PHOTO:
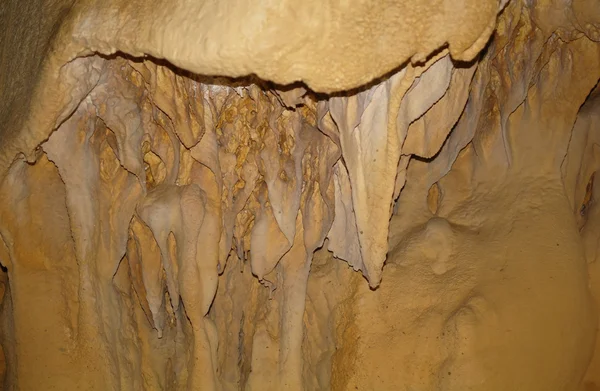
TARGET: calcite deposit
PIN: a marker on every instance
(299, 195)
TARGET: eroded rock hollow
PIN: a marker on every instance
(299, 196)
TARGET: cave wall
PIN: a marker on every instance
(417, 213)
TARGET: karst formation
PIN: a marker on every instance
(300, 195)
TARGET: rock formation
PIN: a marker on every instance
(299, 195)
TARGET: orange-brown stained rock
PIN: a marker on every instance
(161, 180)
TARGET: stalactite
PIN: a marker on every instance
(196, 204)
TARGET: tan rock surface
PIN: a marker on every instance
(180, 183)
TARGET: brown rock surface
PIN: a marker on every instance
(181, 183)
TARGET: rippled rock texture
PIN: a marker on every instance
(433, 229)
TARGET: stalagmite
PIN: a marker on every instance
(299, 195)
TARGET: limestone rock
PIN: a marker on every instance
(193, 195)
